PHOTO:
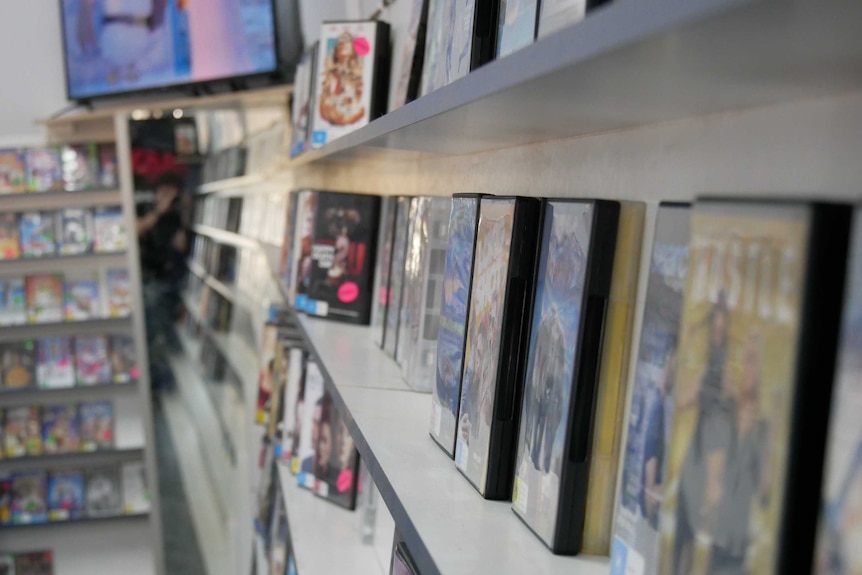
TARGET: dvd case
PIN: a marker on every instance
(336, 460)
(22, 431)
(44, 298)
(452, 336)
(572, 285)
(96, 419)
(554, 15)
(342, 257)
(423, 292)
(758, 335)
(303, 101)
(80, 166)
(636, 535)
(303, 238)
(108, 166)
(124, 361)
(92, 360)
(5, 498)
(286, 269)
(313, 401)
(496, 343)
(119, 291)
(74, 231)
(837, 540)
(29, 497)
(104, 492)
(109, 233)
(44, 172)
(403, 228)
(352, 78)
(82, 296)
(39, 563)
(380, 292)
(402, 561)
(36, 231)
(7, 564)
(518, 21)
(13, 172)
(136, 497)
(412, 50)
(66, 495)
(10, 249)
(13, 301)
(292, 400)
(278, 536)
(55, 368)
(60, 429)
(18, 364)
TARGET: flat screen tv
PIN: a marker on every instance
(119, 46)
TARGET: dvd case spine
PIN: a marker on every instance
(396, 276)
(380, 293)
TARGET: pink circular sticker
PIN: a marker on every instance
(361, 46)
(348, 292)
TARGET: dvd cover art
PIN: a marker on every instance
(119, 293)
(44, 172)
(55, 368)
(80, 165)
(351, 78)
(517, 29)
(286, 268)
(292, 403)
(96, 419)
(22, 431)
(303, 101)
(104, 492)
(728, 456)
(313, 401)
(481, 358)
(380, 293)
(92, 361)
(304, 236)
(66, 495)
(335, 457)
(266, 373)
(109, 233)
(18, 364)
(457, 283)
(124, 360)
(13, 172)
(636, 536)
(36, 234)
(342, 256)
(29, 497)
(108, 166)
(412, 50)
(136, 497)
(5, 498)
(82, 297)
(44, 298)
(75, 231)
(60, 428)
(278, 535)
(403, 228)
(13, 301)
(839, 525)
(40, 563)
(426, 265)
(9, 246)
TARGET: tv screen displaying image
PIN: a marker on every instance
(116, 46)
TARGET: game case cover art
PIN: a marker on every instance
(22, 431)
(40, 563)
(60, 428)
(482, 354)
(10, 249)
(92, 361)
(342, 258)
(109, 230)
(119, 293)
(55, 368)
(729, 444)
(75, 235)
(80, 167)
(840, 520)
(517, 28)
(136, 498)
(313, 401)
(549, 380)
(335, 458)
(403, 229)
(45, 298)
(96, 419)
(66, 495)
(13, 301)
(457, 282)
(29, 501)
(13, 172)
(82, 298)
(124, 359)
(36, 234)
(18, 364)
(636, 538)
(44, 172)
(104, 492)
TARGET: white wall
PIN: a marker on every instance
(32, 80)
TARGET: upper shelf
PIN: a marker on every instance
(448, 527)
(628, 64)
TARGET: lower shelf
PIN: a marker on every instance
(76, 522)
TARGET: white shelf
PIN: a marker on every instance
(225, 237)
(58, 200)
(325, 538)
(25, 266)
(448, 527)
